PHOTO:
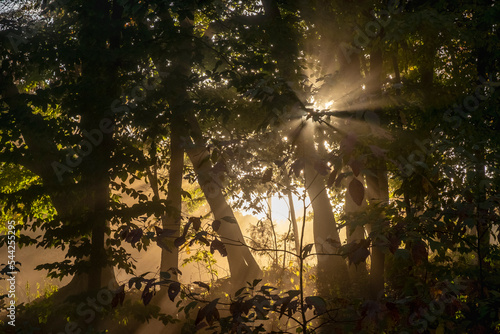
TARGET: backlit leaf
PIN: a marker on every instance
(357, 191)
(173, 290)
(196, 221)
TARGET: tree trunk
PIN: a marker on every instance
(332, 269)
(378, 194)
(358, 273)
(170, 259)
(242, 264)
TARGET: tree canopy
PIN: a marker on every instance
(377, 123)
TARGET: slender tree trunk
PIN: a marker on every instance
(358, 273)
(292, 216)
(378, 192)
(378, 189)
(170, 259)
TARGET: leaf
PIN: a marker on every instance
(318, 303)
(358, 256)
(356, 166)
(208, 312)
(339, 179)
(219, 246)
(201, 325)
(146, 297)
(332, 178)
(196, 221)
(230, 219)
(321, 167)
(203, 285)
(296, 167)
(268, 175)
(165, 275)
(186, 194)
(357, 251)
(255, 282)
(134, 280)
(175, 271)
(239, 291)
(200, 236)
(357, 191)
(178, 242)
(162, 233)
(215, 225)
(214, 156)
(186, 228)
(119, 296)
(124, 233)
(306, 250)
(190, 306)
(419, 251)
(293, 293)
(173, 290)
(134, 236)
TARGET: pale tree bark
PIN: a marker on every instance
(332, 270)
(170, 259)
(242, 264)
(378, 194)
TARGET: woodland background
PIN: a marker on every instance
(131, 128)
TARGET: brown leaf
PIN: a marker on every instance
(203, 285)
(358, 254)
(164, 232)
(356, 166)
(332, 178)
(196, 221)
(219, 246)
(321, 167)
(297, 166)
(146, 296)
(134, 236)
(318, 303)
(186, 228)
(216, 224)
(119, 296)
(357, 191)
(339, 179)
(208, 312)
(173, 290)
(419, 252)
(268, 175)
(179, 242)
